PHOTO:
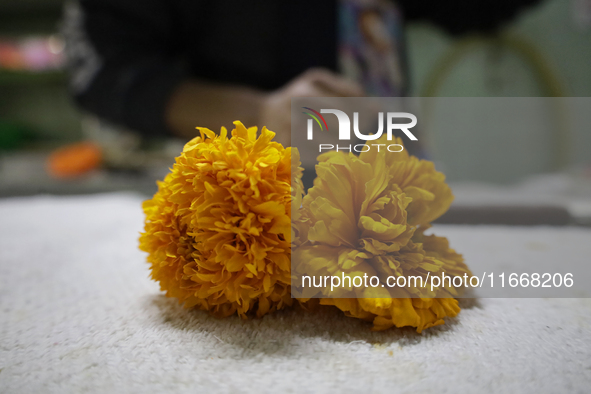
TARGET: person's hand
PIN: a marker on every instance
(276, 106)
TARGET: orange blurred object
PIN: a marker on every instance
(75, 159)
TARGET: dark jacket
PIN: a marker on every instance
(126, 56)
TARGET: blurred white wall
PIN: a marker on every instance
(555, 32)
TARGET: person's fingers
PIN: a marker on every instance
(316, 89)
(334, 84)
(319, 83)
(307, 88)
(312, 89)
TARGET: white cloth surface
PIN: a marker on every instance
(80, 315)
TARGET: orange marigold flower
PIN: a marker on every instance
(218, 230)
(367, 216)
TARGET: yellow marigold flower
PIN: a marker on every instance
(218, 230)
(367, 215)
(299, 222)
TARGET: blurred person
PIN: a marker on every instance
(165, 66)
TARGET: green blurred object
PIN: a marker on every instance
(13, 135)
(12, 77)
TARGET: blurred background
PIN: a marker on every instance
(543, 50)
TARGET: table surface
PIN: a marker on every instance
(79, 314)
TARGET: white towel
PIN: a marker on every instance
(79, 315)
